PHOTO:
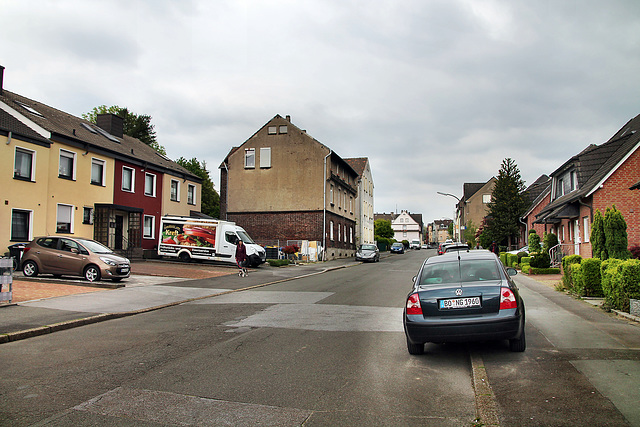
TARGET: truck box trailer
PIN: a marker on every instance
(211, 239)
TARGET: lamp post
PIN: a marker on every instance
(456, 227)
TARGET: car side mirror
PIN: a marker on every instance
(512, 271)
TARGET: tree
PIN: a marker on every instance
(598, 248)
(507, 205)
(615, 234)
(469, 234)
(450, 230)
(137, 126)
(210, 202)
(550, 240)
(382, 228)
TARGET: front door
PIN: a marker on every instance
(119, 231)
(576, 237)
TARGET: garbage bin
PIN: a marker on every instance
(15, 252)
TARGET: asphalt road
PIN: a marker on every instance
(322, 350)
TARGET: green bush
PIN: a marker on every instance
(526, 268)
(384, 243)
(503, 258)
(566, 269)
(577, 285)
(554, 270)
(540, 260)
(591, 278)
(511, 259)
(278, 262)
(620, 281)
(521, 255)
(525, 260)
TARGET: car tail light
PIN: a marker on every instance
(25, 250)
(507, 299)
(413, 304)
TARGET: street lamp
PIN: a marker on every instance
(457, 218)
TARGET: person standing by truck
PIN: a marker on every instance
(241, 258)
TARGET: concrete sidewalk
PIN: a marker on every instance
(44, 305)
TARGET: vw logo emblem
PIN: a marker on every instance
(458, 292)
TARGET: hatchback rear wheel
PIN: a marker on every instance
(415, 348)
(30, 269)
(92, 273)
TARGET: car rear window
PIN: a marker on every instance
(476, 270)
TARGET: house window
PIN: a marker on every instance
(339, 229)
(350, 234)
(585, 229)
(24, 164)
(149, 226)
(87, 215)
(63, 220)
(66, 168)
(128, 179)
(175, 191)
(20, 225)
(97, 172)
(562, 233)
(486, 198)
(283, 129)
(331, 195)
(574, 180)
(272, 130)
(191, 194)
(560, 190)
(331, 230)
(351, 204)
(265, 157)
(249, 158)
(150, 185)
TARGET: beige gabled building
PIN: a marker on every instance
(283, 185)
(364, 201)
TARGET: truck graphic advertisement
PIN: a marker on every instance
(199, 238)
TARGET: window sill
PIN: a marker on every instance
(22, 178)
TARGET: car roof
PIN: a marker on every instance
(463, 255)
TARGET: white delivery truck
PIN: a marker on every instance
(212, 239)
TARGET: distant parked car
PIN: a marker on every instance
(415, 244)
(67, 256)
(397, 248)
(368, 252)
(522, 249)
(425, 246)
(455, 247)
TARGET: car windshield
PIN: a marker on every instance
(245, 237)
(368, 247)
(95, 247)
(453, 272)
(396, 245)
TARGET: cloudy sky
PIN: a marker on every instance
(435, 93)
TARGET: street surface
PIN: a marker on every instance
(326, 349)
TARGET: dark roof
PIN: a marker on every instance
(357, 164)
(76, 131)
(536, 192)
(9, 123)
(471, 188)
(594, 163)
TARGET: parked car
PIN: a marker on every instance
(415, 244)
(442, 247)
(67, 256)
(397, 248)
(368, 252)
(455, 247)
(464, 296)
(425, 246)
(522, 249)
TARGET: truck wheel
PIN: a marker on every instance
(184, 257)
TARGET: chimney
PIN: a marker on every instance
(1, 77)
(111, 123)
(289, 118)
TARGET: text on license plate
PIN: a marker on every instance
(460, 303)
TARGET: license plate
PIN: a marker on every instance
(124, 270)
(460, 303)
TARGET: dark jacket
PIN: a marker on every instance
(241, 253)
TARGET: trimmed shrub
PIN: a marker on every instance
(511, 259)
(521, 255)
(591, 278)
(503, 258)
(610, 271)
(525, 260)
(566, 269)
(540, 260)
(278, 262)
(544, 270)
(577, 285)
(526, 268)
(630, 282)
(534, 241)
(620, 281)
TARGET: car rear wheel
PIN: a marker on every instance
(30, 269)
(415, 348)
(92, 273)
(184, 257)
(518, 344)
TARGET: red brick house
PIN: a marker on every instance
(539, 196)
(598, 177)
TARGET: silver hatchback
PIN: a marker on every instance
(70, 256)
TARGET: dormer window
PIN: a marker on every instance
(560, 188)
(574, 180)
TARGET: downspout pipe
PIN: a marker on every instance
(226, 195)
(324, 209)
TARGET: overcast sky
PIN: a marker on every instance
(435, 93)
